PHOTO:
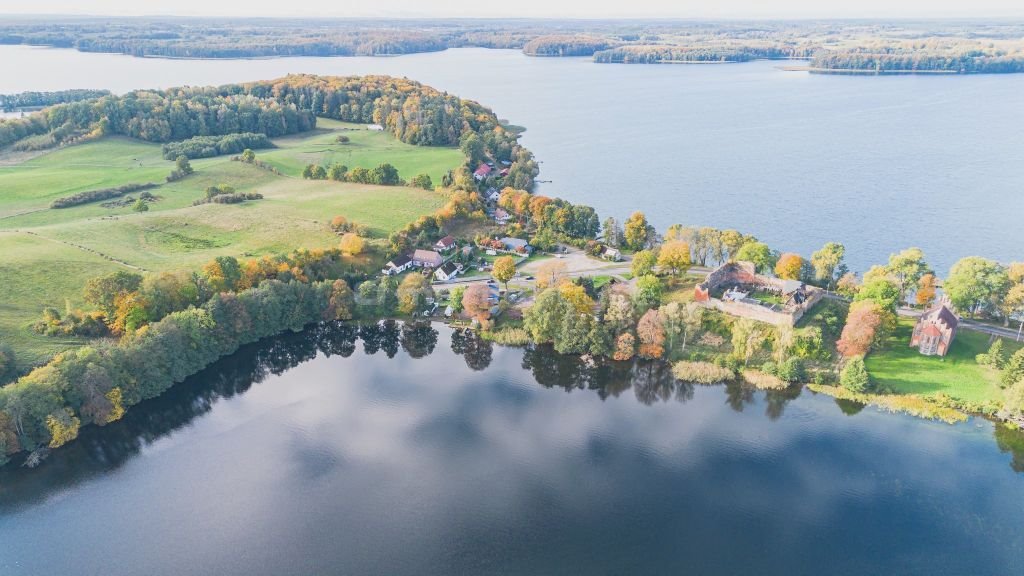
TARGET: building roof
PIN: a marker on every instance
(449, 268)
(426, 256)
(501, 214)
(790, 286)
(482, 170)
(447, 241)
(931, 330)
(399, 261)
(514, 243)
(941, 314)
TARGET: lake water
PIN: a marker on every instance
(878, 163)
(316, 453)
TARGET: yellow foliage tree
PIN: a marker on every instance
(504, 269)
(576, 296)
(925, 290)
(789, 266)
(63, 426)
(352, 244)
(674, 257)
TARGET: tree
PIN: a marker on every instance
(757, 252)
(573, 333)
(827, 262)
(473, 148)
(7, 366)
(504, 269)
(476, 302)
(551, 273)
(1013, 371)
(925, 293)
(223, 274)
(748, 336)
(643, 263)
(544, 319)
(1013, 399)
(882, 291)
(413, 293)
(854, 376)
(342, 300)
(385, 175)
(907, 267)
(636, 231)
(861, 329)
(63, 426)
(648, 292)
(847, 285)
(789, 266)
(387, 295)
(352, 244)
(625, 347)
(423, 181)
(1012, 304)
(681, 321)
(732, 241)
(248, 156)
(455, 298)
(975, 283)
(140, 206)
(651, 333)
(612, 233)
(674, 256)
(182, 165)
(995, 357)
(619, 312)
(576, 296)
(101, 291)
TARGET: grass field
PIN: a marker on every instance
(897, 366)
(47, 254)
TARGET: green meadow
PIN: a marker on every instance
(46, 255)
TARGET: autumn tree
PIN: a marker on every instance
(102, 290)
(223, 274)
(476, 302)
(789, 266)
(651, 333)
(352, 243)
(674, 257)
(637, 232)
(861, 329)
(848, 285)
(625, 347)
(504, 269)
(413, 293)
(576, 296)
(827, 262)
(925, 293)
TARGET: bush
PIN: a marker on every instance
(792, 370)
(764, 381)
(701, 372)
(209, 146)
(507, 336)
(97, 195)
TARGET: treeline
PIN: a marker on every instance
(965, 63)
(97, 195)
(95, 385)
(661, 54)
(11, 102)
(210, 146)
(566, 45)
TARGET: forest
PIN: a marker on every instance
(11, 102)
(968, 47)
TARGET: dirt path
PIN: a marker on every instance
(85, 249)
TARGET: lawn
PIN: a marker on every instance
(47, 254)
(366, 149)
(897, 366)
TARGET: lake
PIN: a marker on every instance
(416, 450)
(878, 163)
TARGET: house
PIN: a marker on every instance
(426, 259)
(482, 172)
(794, 291)
(506, 162)
(738, 290)
(501, 216)
(447, 271)
(934, 331)
(493, 195)
(374, 127)
(609, 253)
(397, 265)
(503, 173)
(516, 245)
(445, 244)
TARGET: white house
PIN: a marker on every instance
(445, 244)
(493, 195)
(426, 259)
(397, 265)
(501, 216)
(612, 254)
(375, 127)
(447, 271)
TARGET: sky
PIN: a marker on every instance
(532, 8)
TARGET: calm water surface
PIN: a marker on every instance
(413, 452)
(797, 159)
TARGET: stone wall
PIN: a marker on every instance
(744, 273)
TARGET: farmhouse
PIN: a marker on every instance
(445, 244)
(426, 259)
(447, 271)
(609, 253)
(493, 195)
(737, 289)
(397, 265)
(501, 216)
(934, 331)
(516, 245)
(482, 172)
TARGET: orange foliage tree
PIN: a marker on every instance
(651, 332)
(861, 328)
(789, 266)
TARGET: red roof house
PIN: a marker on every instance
(935, 331)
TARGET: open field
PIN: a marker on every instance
(898, 366)
(48, 254)
(366, 149)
